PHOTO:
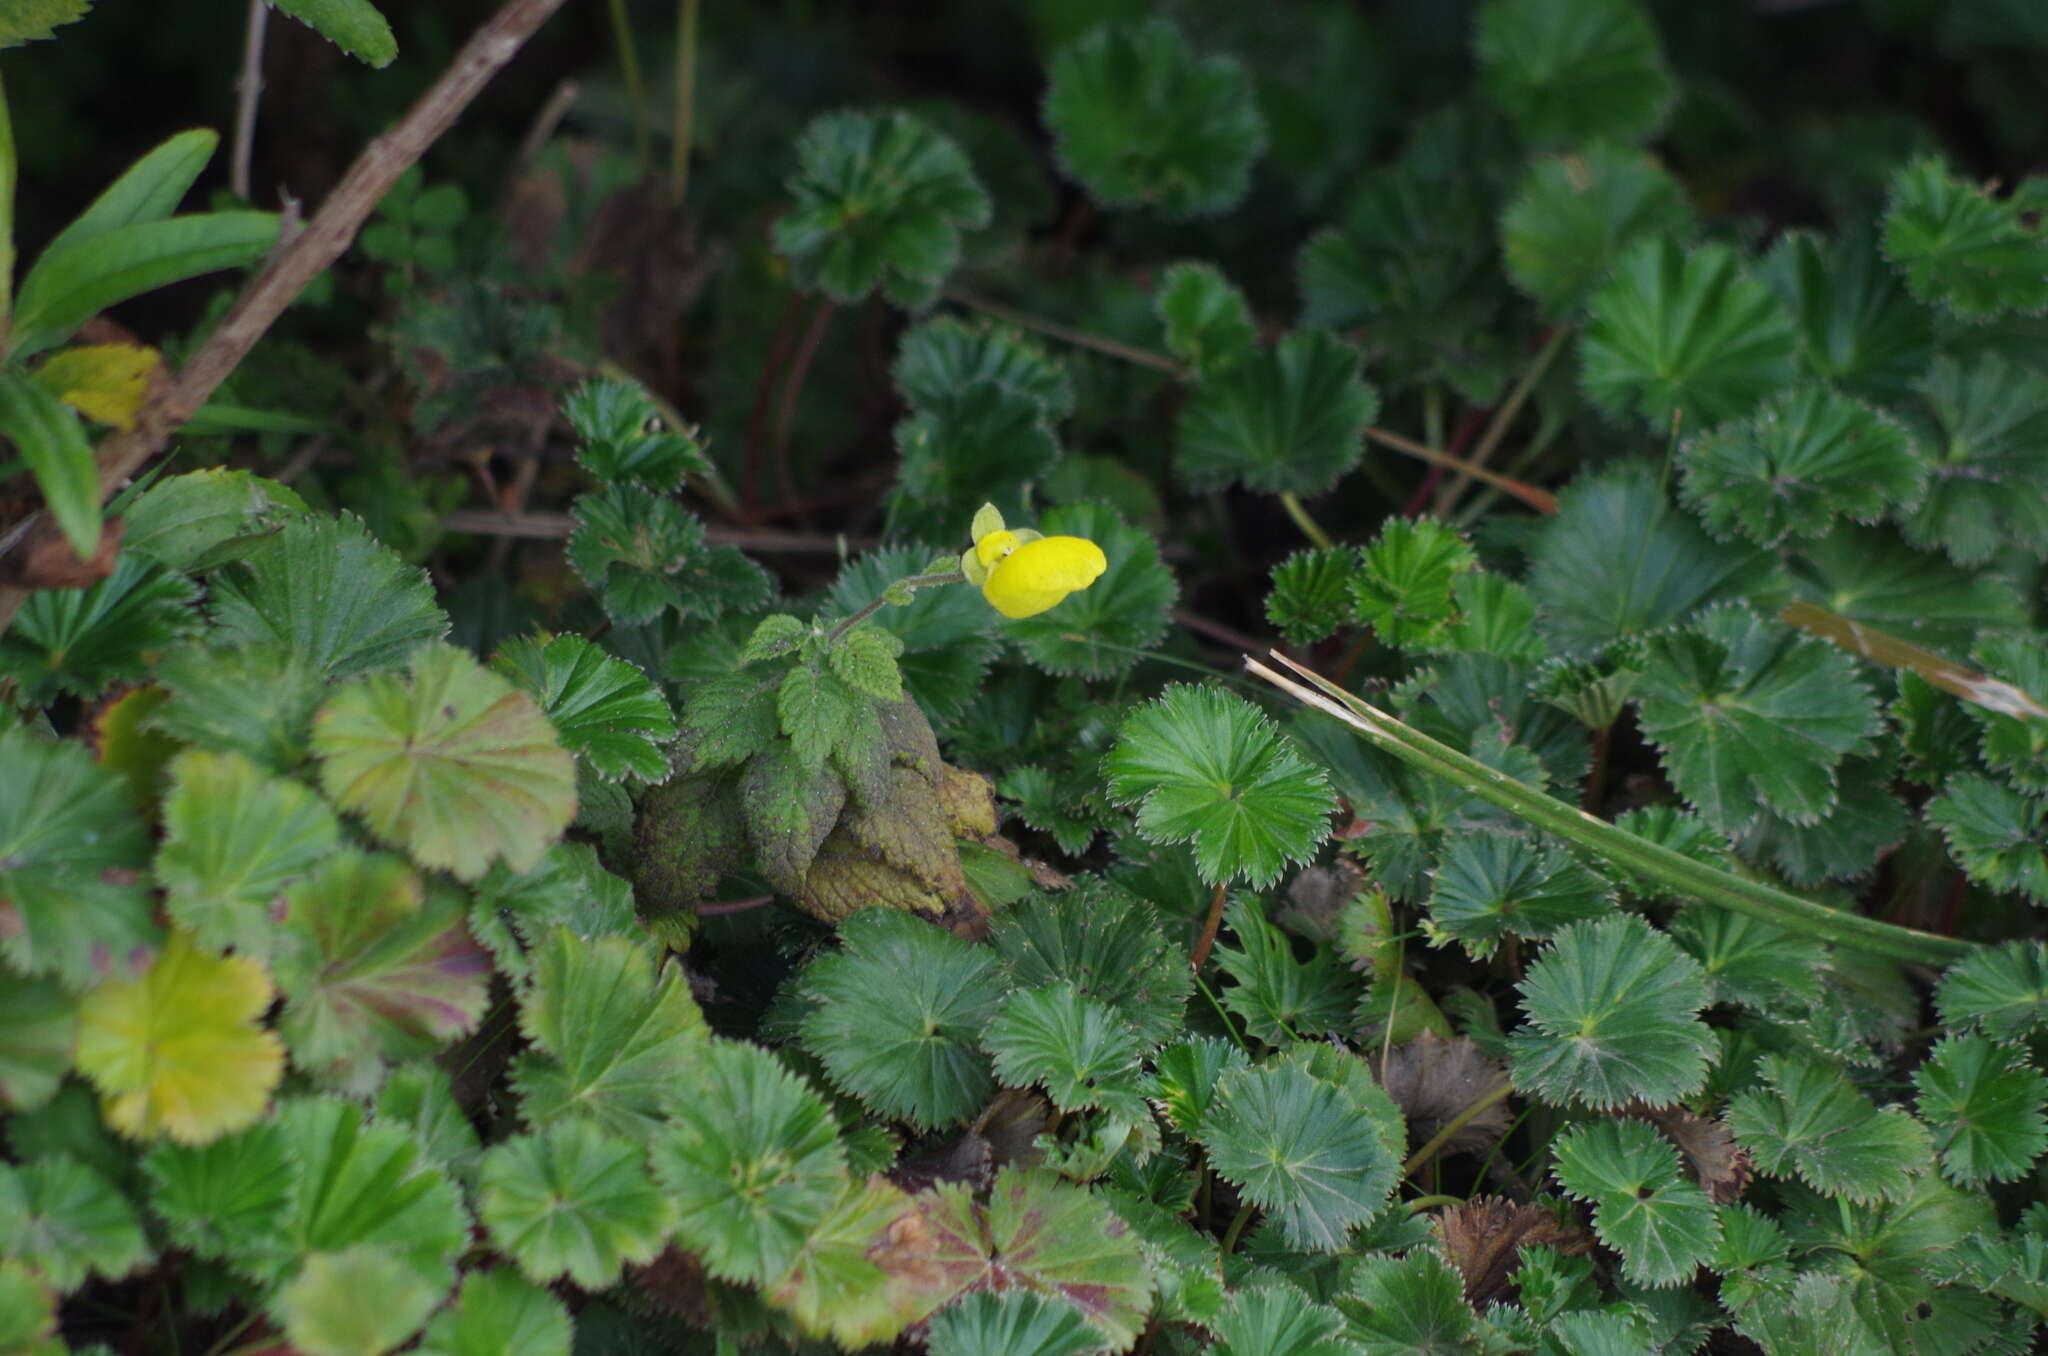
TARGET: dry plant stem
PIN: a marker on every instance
(1066, 334)
(298, 261)
(636, 93)
(1310, 528)
(1452, 1127)
(248, 92)
(1540, 500)
(537, 526)
(1503, 416)
(686, 102)
(1207, 940)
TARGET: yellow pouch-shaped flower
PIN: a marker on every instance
(1021, 572)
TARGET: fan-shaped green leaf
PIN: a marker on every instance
(572, 1201)
(336, 599)
(233, 839)
(499, 1313)
(323, 1307)
(753, 1163)
(360, 1184)
(1403, 590)
(1289, 419)
(1075, 1046)
(1613, 1012)
(1577, 213)
(256, 700)
(1104, 941)
(643, 554)
(1995, 834)
(70, 846)
(1960, 248)
(1297, 1147)
(616, 1039)
(977, 444)
(1813, 1122)
(38, 1026)
(68, 1222)
(947, 354)
(1747, 714)
(206, 518)
(849, 1280)
(603, 709)
(82, 641)
(1866, 821)
(900, 1013)
(1311, 595)
(1986, 422)
(1800, 463)
(1494, 885)
(1747, 961)
(1859, 326)
(1278, 1320)
(1869, 575)
(1568, 71)
(569, 889)
(1103, 629)
(880, 201)
(1659, 1220)
(1206, 767)
(1184, 1078)
(1983, 1103)
(1281, 998)
(1138, 118)
(1409, 1306)
(453, 764)
(2014, 742)
(1011, 1323)
(1208, 322)
(624, 437)
(224, 1200)
(1684, 335)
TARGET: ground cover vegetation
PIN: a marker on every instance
(1024, 679)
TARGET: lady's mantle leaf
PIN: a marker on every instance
(643, 553)
(256, 700)
(980, 443)
(1494, 885)
(38, 1027)
(454, 765)
(1613, 1013)
(1279, 1320)
(179, 1052)
(1747, 713)
(946, 354)
(2001, 991)
(1104, 941)
(1404, 590)
(1039, 1234)
(357, 1302)
(1568, 71)
(1412, 1304)
(2014, 743)
(615, 1041)
(1813, 1122)
(1984, 1104)
(1658, 1219)
(1311, 594)
(881, 200)
(1995, 834)
(1011, 1323)
(1986, 421)
(1290, 419)
(603, 709)
(1299, 1148)
(753, 1162)
(572, 1201)
(1860, 327)
(624, 439)
(1685, 335)
(340, 601)
(857, 1276)
(361, 1184)
(1208, 322)
(1101, 630)
(1576, 214)
(1281, 998)
(1796, 466)
(1075, 1046)
(234, 837)
(1960, 248)
(83, 640)
(899, 1017)
(68, 1222)
(214, 1199)
(499, 1313)
(375, 967)
(569, 889)
(1205, 767)
(1138, 118)
(71, 846)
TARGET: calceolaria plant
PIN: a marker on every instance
(1313, 681)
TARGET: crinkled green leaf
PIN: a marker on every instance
(1748, 961)
(1311, 594)
(1298, 1147)
(1403, 588)
(255, 699)
(850, 1280)
(337, 599)
(1203, 766)
(1011, 1323)
(977, 444)
(420, 1095)
(1567, 71)
(947, 354)
(900, 1013)
(1870, 575)
(82, 641)
(1983, 1103)
(234, 837)
(2001, 991)
(1105, 942)
(1278, 1320)
(1748, 714)
(450, 762)
(1140, 119)
(569, 889)
(499, 1313)
(753, 1162)
(604, 710)
(1576, 214)
(1291, 418)
(614, 1039)
(1685, 335)
(1408, 1306)
(327, 1309)
(360, 1184)
(1985, 421)
(2015, 742)
(1805, 460)
(880, 201)
(1494, 885)
(1037, 796)
(1281, 998)
(1103, 629)
(71, 845)
(68, 1222)
(1613, 1016)
(643, 554)
(1867, 820)
(1960, 248)
(1184, 1078)
(1812, 1122)
(223, 1199)
(572, 1201)
(1208, 322)
(1858, 324)
(1659, 1220)
(624, 437)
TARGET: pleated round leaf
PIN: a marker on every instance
(1291, 419)
(572, 1201)
(1569, 71)
(358, 1302)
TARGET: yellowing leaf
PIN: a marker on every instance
(455, 765)
(102, 381)
(179, 1052)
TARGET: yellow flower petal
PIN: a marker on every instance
(1039, 574)
(993, 546)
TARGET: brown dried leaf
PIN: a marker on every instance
(1316, 899)
(676, 1283)
(1484, 1236)
(1433, 1079)
(45, 560)
(1722, 1167)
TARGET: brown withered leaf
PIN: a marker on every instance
(1316, 899)
(1722, 1167)
(1433, 1079)
(1483, 1237)
(676, 1283)
(45, 560)
(1002, 1134)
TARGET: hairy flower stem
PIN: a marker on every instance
(1452, 1126)
(1676, 872)
(915, 581)
(1310, 528)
